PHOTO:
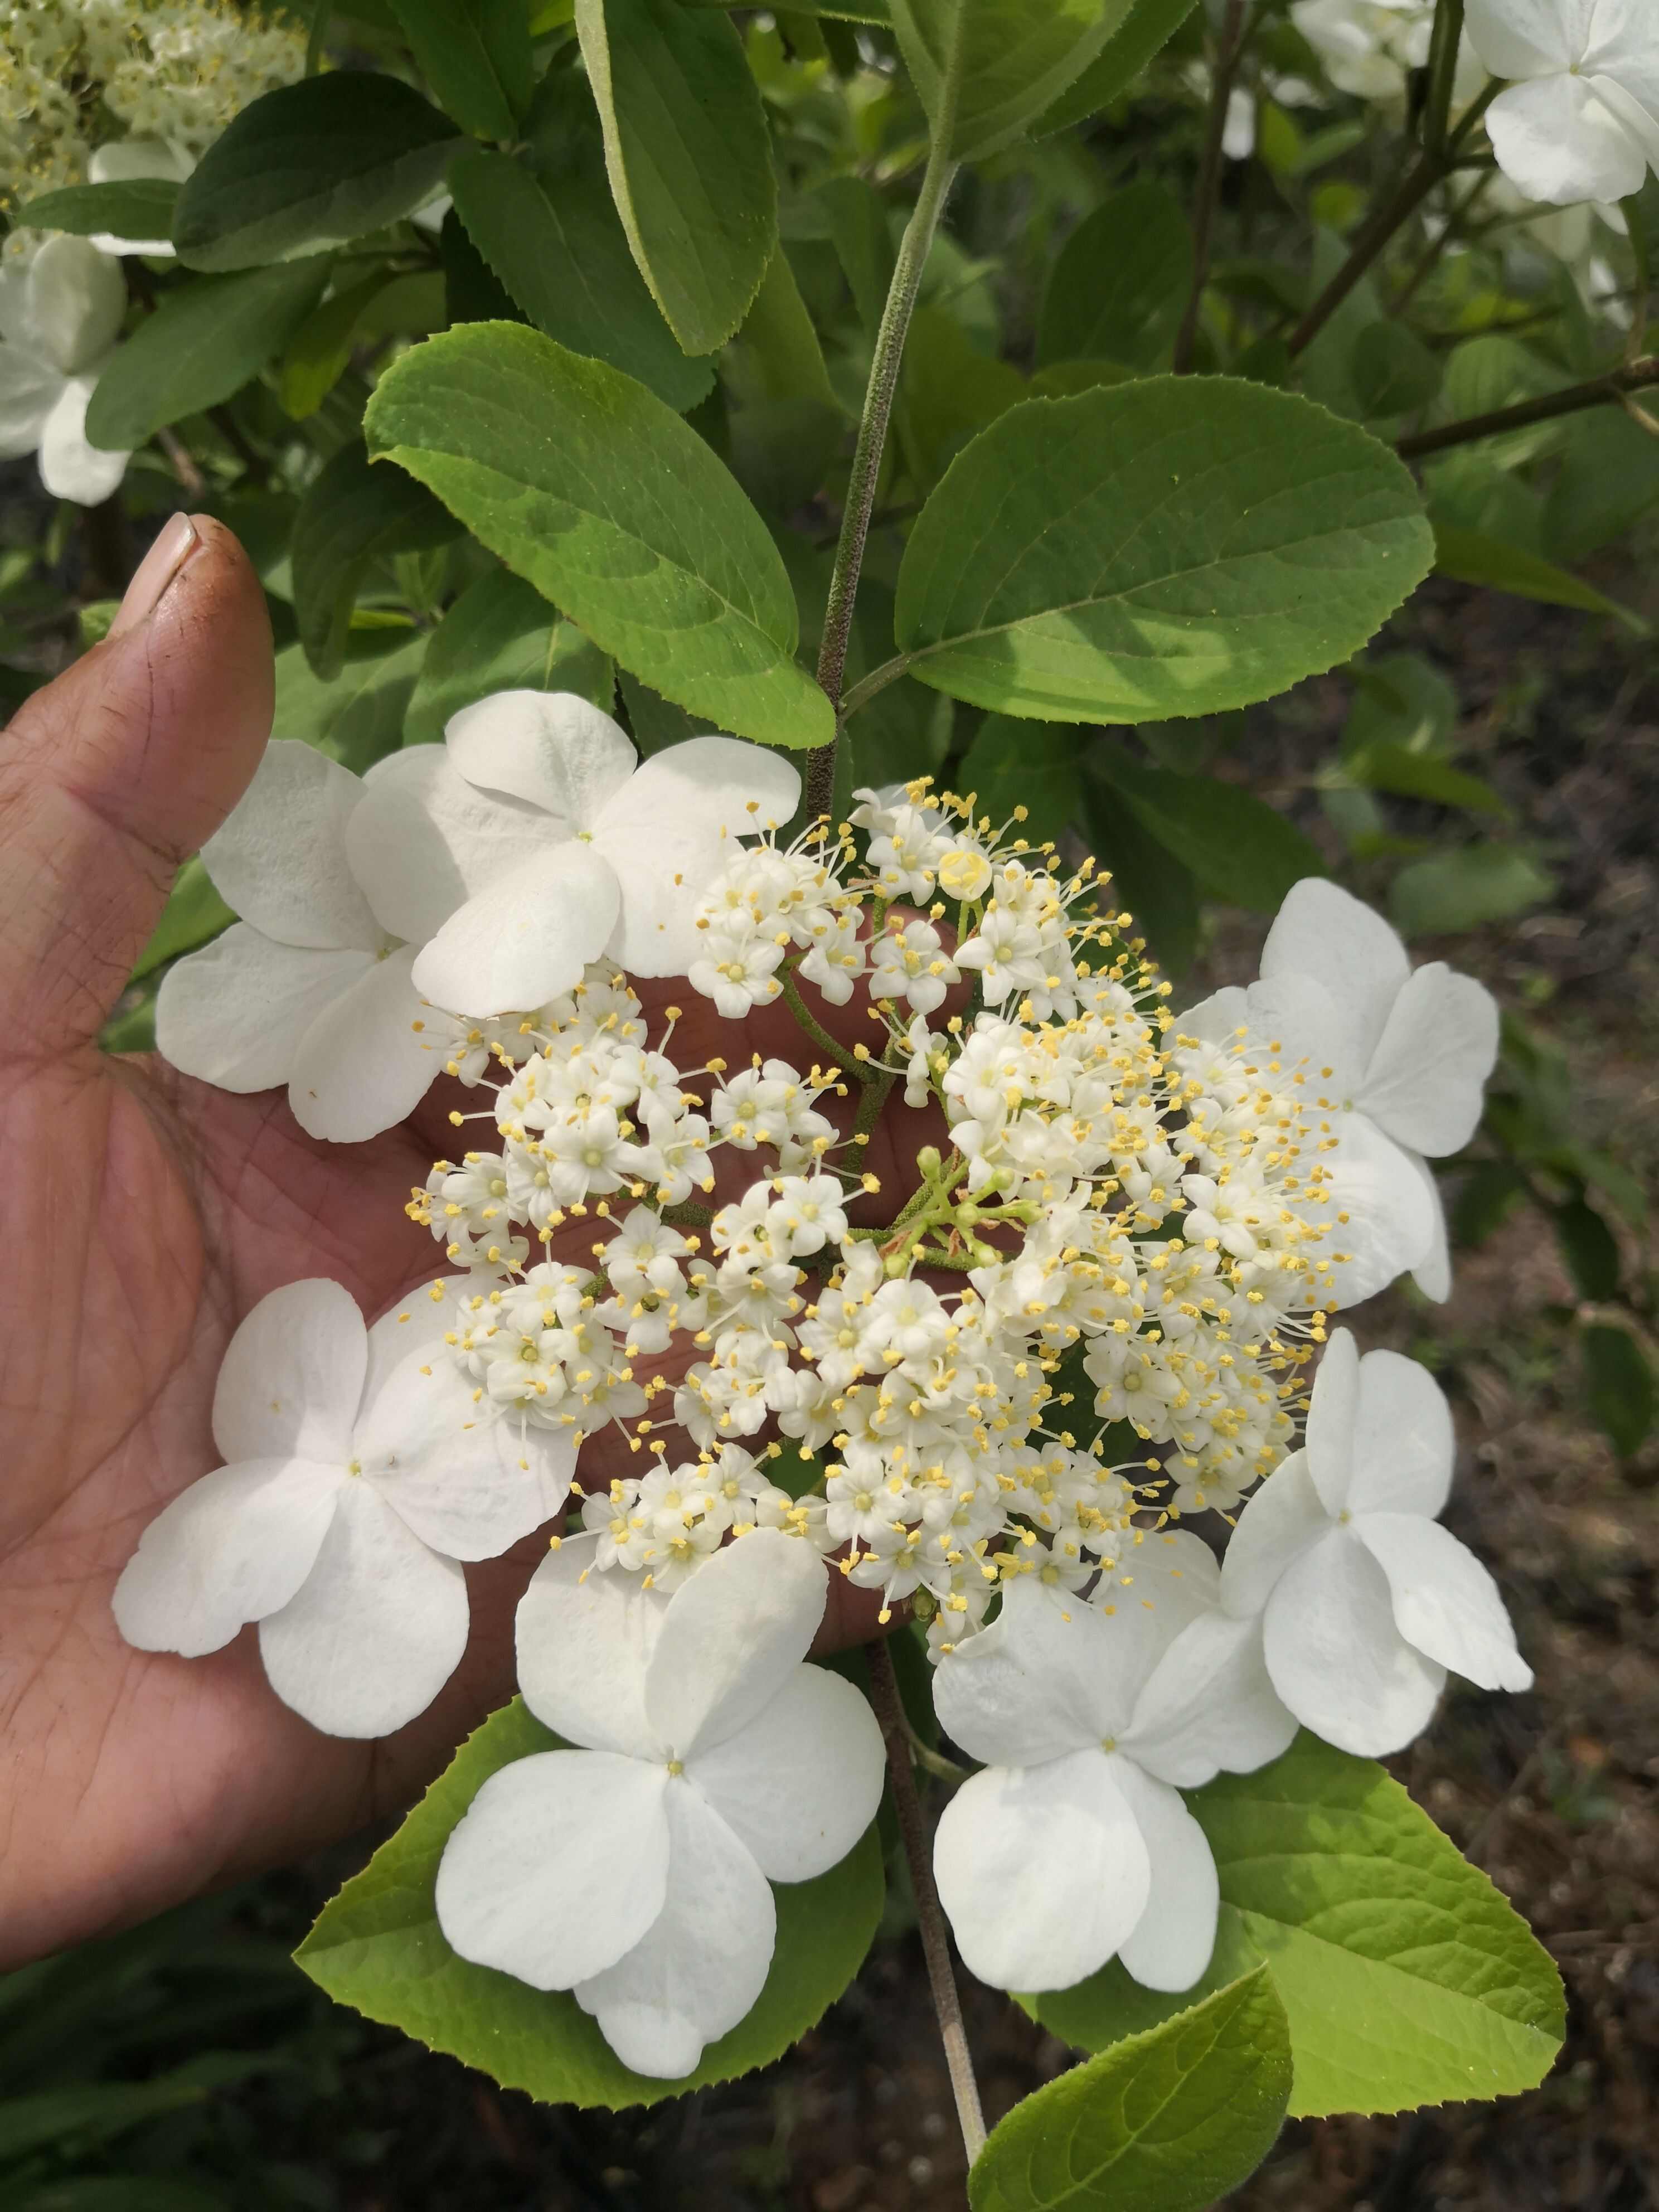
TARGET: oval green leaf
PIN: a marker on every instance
(312, 164)
(1405, 1978)
(588, 486)
(502, 636)
(689, 158)
(476, 57)
(378, 1946)
(1166, 2121)
(985, 69)
(1120, 283)
(1172, 547)
(202, 344)
(136, 206)
(352, 515)
(1150, 25)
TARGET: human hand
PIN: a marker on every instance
(148, 1213)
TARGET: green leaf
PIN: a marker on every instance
(137, 207)
(1470, 557)
(1148, 882)
(1036, 765)
(1120, 283)
(1590, 1249)
(1381, 766)
(863, 240)
(1486, 1196)
(986, 69)
(653, 721)
(1608, 477)
(1239, 848)
(1620, 1386)
(950, 391)
(476, 55)
(1486, 373)
(1167, 2121)
(502, 636)
(600, 497)
(1062, 379)
(193, 914)
(1393, 372)
(1405, 1978)
(556, 243)
(312, 164)
(1170, 547)
(778, 346)
(689, 156)
(378, 1946)
(90, 2114)
(127, 2192)
(1400, 700)
(358, 716)
(202, 344)
(319, 351)
(1477, 883)
(352, 514)
(1149, 25)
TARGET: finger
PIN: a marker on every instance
(115, 772)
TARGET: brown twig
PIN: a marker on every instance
(1228, 54)
(1614, 386)
(935, 1942)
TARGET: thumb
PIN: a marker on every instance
(115, 772)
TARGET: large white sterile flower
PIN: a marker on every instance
(359, 1470)
(1581, 120)
(124, 160)
(1073, 1845)
(535, 842)
(635, 1871)
(307, 988)
(1397, 1058)
(60, 315)
(1366, 1602)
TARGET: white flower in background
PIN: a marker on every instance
(1581, 119)
(535, 843)
(635, 1871)
(1396, 1057)
(61, 311)
(306, 989)
(1366, 1602)
(1371, 47)
(1073, 1845)
(125, 161)
(358, 1471)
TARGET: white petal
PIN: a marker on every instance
(799, 1783)
(368, 1058)
(1296, 1023)
(1167, 1580)
(29, 389)
(76, 301)
(1170, 1944)
(663, 869)
(1621, 44)
(554, 749)
(1424, 1085)
(1432, 1274)
(558, 1866)
(722, 786)
(1209, 1707)
(1336, 1657)
(1555, 141)
(124, 159)
(233, 1014)
(730, 1637)
(424, 841)
(1445, 1603)
(1332, 1410)
(465, 1478)
(1042, 1871)
(1038, 1683)
(1217, 1018)
(584, 1640)
(1285, 1516)
(1329, 934)
(527, 937)
(292, 1377)
(1529, 38)
(1381, 1217)
(1403, 1441)
(71, 466)
(701, 1966)
(417, 1322)
(375, 1630)
(280, 858)
(230, 1549)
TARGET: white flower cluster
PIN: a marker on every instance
(972, 1310)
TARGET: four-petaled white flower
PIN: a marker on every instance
(635, 1871)
(358, 1471)
(533, 843)
(61, 311)
(1397, 1058)
(1366, 1602)
(307, 988)
(1072, 1846)
(1581, 119)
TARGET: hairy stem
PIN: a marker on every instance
(1614, 386)
(867, 453)
(1228, 55)
(935, 1942)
